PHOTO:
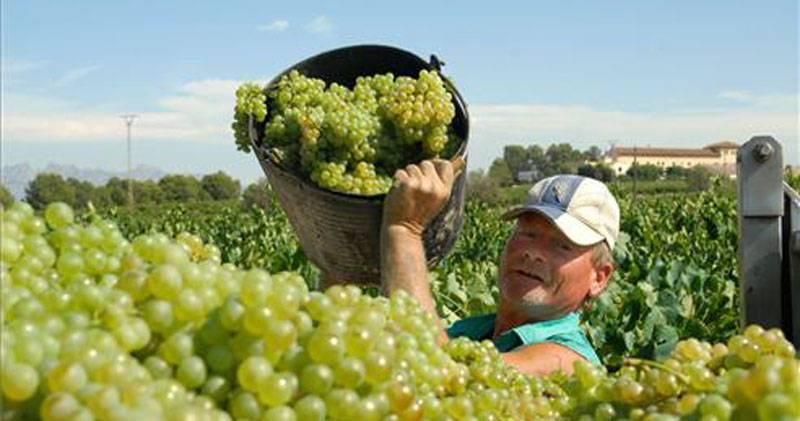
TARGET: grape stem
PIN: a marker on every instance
(638, 362)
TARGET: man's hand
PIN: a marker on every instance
(419, 193)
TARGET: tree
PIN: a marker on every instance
(116, 190)
(84, 193)
(182, 188)
(147, 192)
(6, 198)
(676, 172)
(221, 186)
(46, 188)
(481, 187)
(604, 173)
(537, 161)
(516, 158)
(500, 174)
(562, 159)
(644, 172)
(593, 154)
(600, 172)
(259, 194)
(699, 178)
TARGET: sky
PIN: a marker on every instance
(645, 73)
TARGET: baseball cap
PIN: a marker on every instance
(580, 207)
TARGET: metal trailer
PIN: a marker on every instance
(769, 239)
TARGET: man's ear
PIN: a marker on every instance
(603, 274)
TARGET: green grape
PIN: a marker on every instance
(277, 389)
(350, 373)
(165, 282)
(341, 404)
(310, 408)
(67, 378)
(20, 381)
(191, 372)
(325, 348)
(316, 379)
(217, 388)
(279, 413)
(244, 405)
(253, 372)
(58, 215)
(158, 367)
(177, 347)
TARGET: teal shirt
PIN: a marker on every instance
(564, 331)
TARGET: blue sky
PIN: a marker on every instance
(659, 73)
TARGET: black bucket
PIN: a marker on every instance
(340, 233)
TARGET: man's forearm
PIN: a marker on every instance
(403, 265)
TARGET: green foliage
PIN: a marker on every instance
(644, 172)
(500, 173)
(182, 188)
(676, 171)
(259, 194)
(221, 186)
(6, 198)
(793, 179)
(556, 159)
(699, 178)
(482, 188)
(562, 159)
(657, 187)
(598, 171)
(84, 193)
(46, 188)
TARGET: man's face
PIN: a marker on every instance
(542, 274)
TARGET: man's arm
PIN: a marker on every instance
(542, 359)
(419, 193)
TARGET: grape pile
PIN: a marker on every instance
(754, 376)
(350, 141)
(98, 327)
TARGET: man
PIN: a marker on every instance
(557, 258)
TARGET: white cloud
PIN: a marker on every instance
(14, 67)
(275, 26)
(320, 24)
(75, 74)
(200, 111)
(197, 111)
(493, 126)
(742, 96)
(762, 101)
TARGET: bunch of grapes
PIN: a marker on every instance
(351, 141)
(250, 101)
(755, 376)
(98, 327)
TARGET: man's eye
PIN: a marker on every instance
(565, 246)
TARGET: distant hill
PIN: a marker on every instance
(16, 177)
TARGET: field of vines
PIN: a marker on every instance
(676, 273)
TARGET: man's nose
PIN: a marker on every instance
(534, 254)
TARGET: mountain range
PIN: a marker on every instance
(16, 177)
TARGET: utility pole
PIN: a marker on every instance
(129, 122)
(635, 172)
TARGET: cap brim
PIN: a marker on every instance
(572, 227)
